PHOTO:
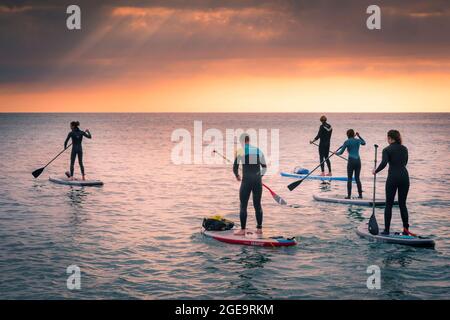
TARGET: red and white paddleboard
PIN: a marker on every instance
(250, 239)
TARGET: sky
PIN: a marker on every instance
(225, 56)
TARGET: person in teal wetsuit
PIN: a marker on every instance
(253, 169)
(354, 161)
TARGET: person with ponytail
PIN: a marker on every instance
(354, 161)
(396, 154)
(77, 150)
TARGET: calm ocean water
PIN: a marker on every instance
(138, 236)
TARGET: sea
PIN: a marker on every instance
(139, 236)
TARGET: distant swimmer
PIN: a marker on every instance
(324, 134)
(253, 169)
(354, 161)
(396, 155)
(77, 150)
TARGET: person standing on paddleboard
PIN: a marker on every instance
(77, 150)
(253, 169)
(324, 134)
(396, 154)
(354, 161)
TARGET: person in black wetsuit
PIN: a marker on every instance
(324, 135)
(253, 169)
(396, 155)
(77, 150)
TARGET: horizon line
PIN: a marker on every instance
(220, 112)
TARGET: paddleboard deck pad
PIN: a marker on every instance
(250, 238)
(353, 201)
(80, 183)
(396, 238)
(312, 177)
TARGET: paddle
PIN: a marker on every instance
(295, 184)
(275, 197)
(332, 152)
(37, 173)
(373, 225)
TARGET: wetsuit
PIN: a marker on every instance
(77, 150)
(324, 135)
(253, 168)
(353, 163)
(398, 179)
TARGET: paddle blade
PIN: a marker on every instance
(37, 173)
(276, 197)
(295, 184)
(373, 225)
(279, 199)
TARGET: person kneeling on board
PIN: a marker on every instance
(77, 150)
(396, 155)
(253, 169)
(354, 161)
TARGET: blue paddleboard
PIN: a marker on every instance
(323, 178)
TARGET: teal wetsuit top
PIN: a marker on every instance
(352, 145)
(252, 160)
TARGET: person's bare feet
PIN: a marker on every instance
(322, 174)
(71, 179)
(329, 174)
(259, 231)
(240, 232)
(84, 178)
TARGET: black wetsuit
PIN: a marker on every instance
(324, 135)
(398, 179)
(253, 168)
(77, 150)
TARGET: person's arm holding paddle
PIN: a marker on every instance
(383, 163)
(317, 136)
(236, 168)
(87, 134)
(341, 150)
(67, 140)
(363, 142)
(262, 162)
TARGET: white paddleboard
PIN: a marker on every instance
(333, 198)
(312, 177)
(81, 183)
(395, 237)
(250, 238)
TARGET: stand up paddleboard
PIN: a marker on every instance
(323, 178)
(79, 183)
(396, 238)
(250, 239)
(353, 201)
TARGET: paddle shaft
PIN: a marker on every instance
(333, 152)
(294, 185)
(374, 179)
(57, 156)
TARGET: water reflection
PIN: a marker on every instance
(77, 196)
(355, 213)
(251, 259)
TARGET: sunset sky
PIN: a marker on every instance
(225, 56)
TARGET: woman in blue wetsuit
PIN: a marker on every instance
(396, 155)
(354, 161)
(77, 150)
